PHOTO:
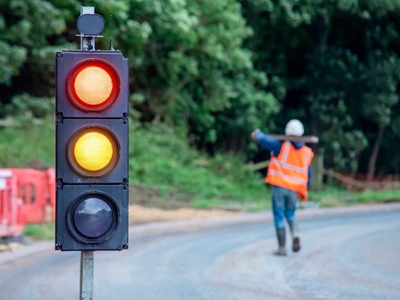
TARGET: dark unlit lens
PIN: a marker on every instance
(93, 217)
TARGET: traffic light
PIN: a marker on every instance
(91, 150)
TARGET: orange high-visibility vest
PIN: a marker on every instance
(289, 169)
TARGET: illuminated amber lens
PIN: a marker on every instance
(93, 151)
(93, 85)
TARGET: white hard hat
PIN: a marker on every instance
(294, 127)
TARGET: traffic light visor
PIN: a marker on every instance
(93, 151)
(93, 85)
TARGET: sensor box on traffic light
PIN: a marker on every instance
(91, 150)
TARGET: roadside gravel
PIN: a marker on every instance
(140, 214)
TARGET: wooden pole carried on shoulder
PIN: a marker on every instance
(310, 139)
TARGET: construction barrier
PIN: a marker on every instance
(27, 196)
(11, 216)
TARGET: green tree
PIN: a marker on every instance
(195, 73)
(338, 62)
(28, 30)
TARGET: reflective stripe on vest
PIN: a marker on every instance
(290, 169)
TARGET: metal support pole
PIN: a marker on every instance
(87, 43)
(87, 278)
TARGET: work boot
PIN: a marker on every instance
(295, 236)
(281, 235)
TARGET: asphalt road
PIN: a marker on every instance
(346, 254)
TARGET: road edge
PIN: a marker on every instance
(155, 228)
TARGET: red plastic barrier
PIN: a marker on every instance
(11, 215)
(36, 191)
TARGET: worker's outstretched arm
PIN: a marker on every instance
(266, 141)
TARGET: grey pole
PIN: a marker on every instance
(87, 275)
(87, 257)
(85, 42)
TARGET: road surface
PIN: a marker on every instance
(351, 255)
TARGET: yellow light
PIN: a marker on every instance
(93, 151)
(93, 85)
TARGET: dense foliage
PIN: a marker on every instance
(215, 70)
(339, 64)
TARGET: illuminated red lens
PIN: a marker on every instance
(93, 85)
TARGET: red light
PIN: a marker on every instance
(93, 85)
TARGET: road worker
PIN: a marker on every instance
(289, 175)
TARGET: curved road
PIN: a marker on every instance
(346, 254)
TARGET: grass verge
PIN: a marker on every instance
(39, 231)
(166, 172)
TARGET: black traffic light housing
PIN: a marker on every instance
(91, 151)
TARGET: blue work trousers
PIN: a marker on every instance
(284, 204)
